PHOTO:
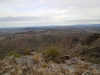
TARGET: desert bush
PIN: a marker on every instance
(1, 58)
(52, 53)
(44, 65)
(15, 54)
(37, 58)
(27, 52)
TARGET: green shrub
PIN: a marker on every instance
(15, 54)
(1, 58)
(27, 52)
(44, 65)
(53, 53)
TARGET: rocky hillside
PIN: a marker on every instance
(80, 40)
(35, 64)
(88, 48)
(72, 44)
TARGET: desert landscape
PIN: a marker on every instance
(70, 50)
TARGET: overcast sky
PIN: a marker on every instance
(15, 13)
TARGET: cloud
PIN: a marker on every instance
(84, 8)
(3, 19)
(48, 11)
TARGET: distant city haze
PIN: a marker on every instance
(25, 13)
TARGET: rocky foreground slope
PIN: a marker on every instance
(34, 64)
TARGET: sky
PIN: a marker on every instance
(20, 13)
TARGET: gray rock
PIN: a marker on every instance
(12, 59)
(26, 65)
(12, 70)
(22, 60)
(24, 69)
(30, 62)
(87, 72)
(1, 72)
(68, 69)
(6, 74)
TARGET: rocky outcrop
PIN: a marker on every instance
(91, 38)
(34, 64)
(92, 53)
(64, 58)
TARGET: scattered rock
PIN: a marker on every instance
(25, 66)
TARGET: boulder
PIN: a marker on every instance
(95, 71)
(12, 59)
(91, 72)
(6, 74)
(68, 69)
(20, 72)
(87, 72)
(64, 58)
(22, 60)
(30, 62)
